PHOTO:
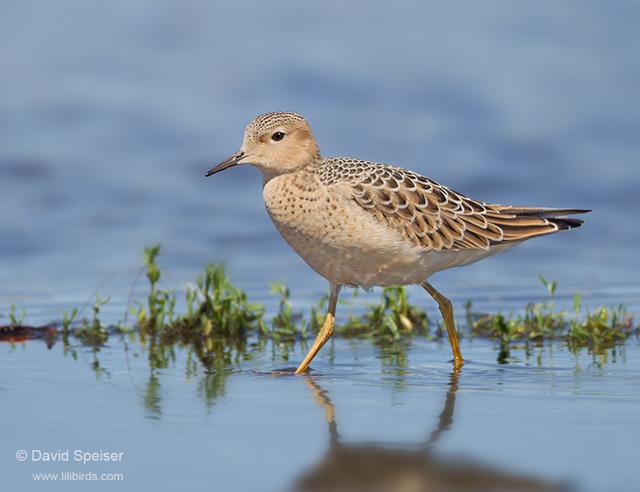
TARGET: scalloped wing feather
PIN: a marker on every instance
(435, 217)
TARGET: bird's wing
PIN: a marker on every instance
(437, 218)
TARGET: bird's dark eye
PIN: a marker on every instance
(277, 136)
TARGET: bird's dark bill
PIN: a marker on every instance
(226, 164)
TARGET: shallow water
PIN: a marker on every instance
(549, 417)
(111, 112)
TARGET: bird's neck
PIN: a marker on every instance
(310, 166)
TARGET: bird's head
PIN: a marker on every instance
(276, 143)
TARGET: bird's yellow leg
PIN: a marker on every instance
(325, 332)
(446, 309)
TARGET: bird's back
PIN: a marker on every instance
(436, 217)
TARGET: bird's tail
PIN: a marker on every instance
(520, 223)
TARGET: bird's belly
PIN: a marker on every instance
(368, 265)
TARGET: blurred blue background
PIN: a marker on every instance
(111, 112)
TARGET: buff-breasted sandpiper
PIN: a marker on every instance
(361, 223)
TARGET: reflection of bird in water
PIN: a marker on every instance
(364, 224)
(376, 468)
